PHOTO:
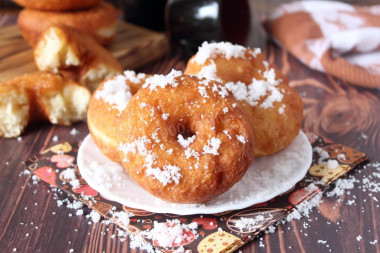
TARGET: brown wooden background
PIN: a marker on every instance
(31, 221)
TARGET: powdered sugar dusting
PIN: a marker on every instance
(161, 81)
(264, 88)
(131, 76)
(185, 142)
(212, 146)
(241, 138)
(210, 50)
(251, 92)
(115, 92)
(69, 175)
(172, 233)
(167, 175)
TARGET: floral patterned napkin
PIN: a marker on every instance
(221, 232)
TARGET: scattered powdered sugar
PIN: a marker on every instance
(241, 138)
(202, 91)
(323, 154)
(115, 92)
(212, 146)
(185, 142)
(332, 164)
(122, 217)
(210, 50)
(167, 175)
(209, 71)
(74, 131)
(189, 152)
(137, 146)
(305, 208)
(131, 76)
(167, 236)
(95, 216)
(172, 232)
(340, 186)
(252, 93)
(165, 116)
(341, 157)
(69, 174)
(106, 175)
(249, 223)
(162, 80)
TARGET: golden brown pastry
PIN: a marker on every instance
(57, 5)
(65, 49)
(183, 139)
(40, 96)
(274, 110)
(98, 21)
(106, 105)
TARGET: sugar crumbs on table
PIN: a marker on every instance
(95, 216)
(304, 208)
(248, 223)
(74, 131)
(172, 232)
(332, 164)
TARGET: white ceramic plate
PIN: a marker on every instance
(265, 179)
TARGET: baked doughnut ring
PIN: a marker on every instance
(57, 5)
(77, 55)
(274, 110)
(106, 105)
(183, 139)
(40, 96)
(98, 21)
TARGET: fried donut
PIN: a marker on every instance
(183, 139)
(40, 96)
(77, 55)
(98, 21)
(106, 105)
(57, 5)
(274, 110)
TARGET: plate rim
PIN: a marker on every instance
(185, 209)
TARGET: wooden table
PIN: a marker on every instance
(31, 220)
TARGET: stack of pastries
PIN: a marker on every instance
(66, 37)
(93, 17)
(189, 137)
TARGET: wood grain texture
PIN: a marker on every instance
(31, 220)
(134, 47)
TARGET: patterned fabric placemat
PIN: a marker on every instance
(221, 232)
